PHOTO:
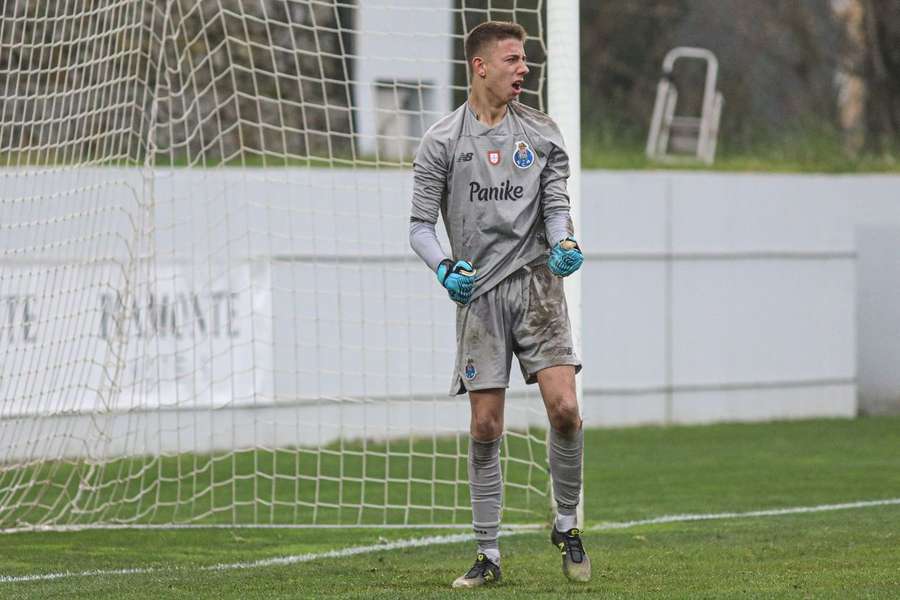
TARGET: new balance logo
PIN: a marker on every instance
(465, 156)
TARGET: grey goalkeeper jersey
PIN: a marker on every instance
(500, 190)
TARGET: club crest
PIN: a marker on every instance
(470, 370)
(493, 157)
(523, 156)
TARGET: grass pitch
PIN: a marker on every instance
(630, 474)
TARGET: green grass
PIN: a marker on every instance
(629, 474)
(805, 151)
(338, 485)
(811, 150)
(779, 160)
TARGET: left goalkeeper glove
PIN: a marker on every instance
(458, 278)
(565, 258)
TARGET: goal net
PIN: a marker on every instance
(209, 312)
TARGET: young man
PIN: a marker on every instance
(496, 171)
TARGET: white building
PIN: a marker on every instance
(397, 99)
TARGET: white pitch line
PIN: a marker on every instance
(265, 562)
(773, 512)
(438, 540)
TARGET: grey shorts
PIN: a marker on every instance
(525, 315)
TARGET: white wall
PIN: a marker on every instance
(707, 297)
(723, 297)
(878, 283)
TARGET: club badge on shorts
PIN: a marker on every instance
(493, 157)
(470, 370)
(523, 156)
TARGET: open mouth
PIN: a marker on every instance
(517, 86)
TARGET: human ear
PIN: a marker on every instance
(478, 67)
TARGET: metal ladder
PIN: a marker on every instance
(678, 138)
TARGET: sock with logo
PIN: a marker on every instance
(486, 490)
(566, 452)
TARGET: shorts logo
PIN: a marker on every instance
(471, 373)
(493, 157)
(523, 156)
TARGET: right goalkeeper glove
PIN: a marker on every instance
(565, 257)
(458, 278)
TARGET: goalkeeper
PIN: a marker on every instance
(495, 170)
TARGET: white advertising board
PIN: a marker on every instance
(84, 338)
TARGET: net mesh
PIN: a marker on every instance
(209, 313)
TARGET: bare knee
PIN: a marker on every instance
(558, 390)
(487, 414)
(486, 426)
(564, 416)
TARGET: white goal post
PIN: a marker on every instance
(209, 312)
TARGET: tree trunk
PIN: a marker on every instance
(850, 76)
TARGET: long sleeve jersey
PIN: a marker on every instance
(500, 190)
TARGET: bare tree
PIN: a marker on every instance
(850, 77)
(883, 73)
(192, 81)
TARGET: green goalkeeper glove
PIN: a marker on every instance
(565, 258)
(458, 279)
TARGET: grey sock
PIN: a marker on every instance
(486, 489)
(565, 455)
